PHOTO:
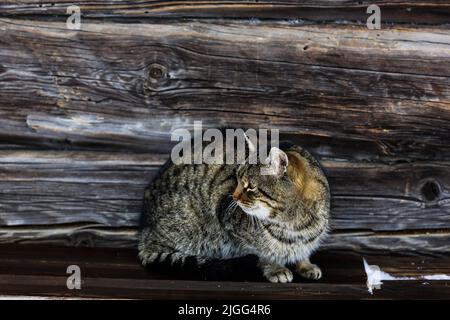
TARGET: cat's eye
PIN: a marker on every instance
(251, 185)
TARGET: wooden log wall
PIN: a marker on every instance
(86, 116)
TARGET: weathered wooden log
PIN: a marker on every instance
(126, 86)
(372, 105)
(422, 242)
(413, 11)
(95, 199)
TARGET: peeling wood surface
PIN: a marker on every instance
(387, 90)
(393, 11)
(113, 273)
(85, 235)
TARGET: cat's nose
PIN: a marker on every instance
(236, 196)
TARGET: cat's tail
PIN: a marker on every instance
(172, 259)
(242, 268)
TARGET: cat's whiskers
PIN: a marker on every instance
(230, 202)
(231, 207)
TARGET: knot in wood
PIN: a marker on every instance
(157, 77)
(156, 72)
(431, 191)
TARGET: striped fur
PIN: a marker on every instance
(216, 212)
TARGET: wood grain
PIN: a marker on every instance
(95, 199)
(86, 116)
(393, 11)
(113, 273)
(336, 85)
(429, 242)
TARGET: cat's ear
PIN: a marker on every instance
(277, 162)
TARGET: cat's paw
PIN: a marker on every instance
(309, 271)
(278, 275)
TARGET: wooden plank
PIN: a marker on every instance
(412, 242)
(69, 187)
(41, 271)
(389, 197)
(107, 188)
(300, 79)
(419, 243)
(415, 11)
(95, 199)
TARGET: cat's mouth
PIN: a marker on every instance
(258, 209)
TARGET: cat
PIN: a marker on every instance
(222, 211)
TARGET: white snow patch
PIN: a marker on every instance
(376, 276)
(436, 277)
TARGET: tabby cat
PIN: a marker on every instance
(212, 211)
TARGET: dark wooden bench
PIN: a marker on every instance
(40, 271)
(86, 118)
